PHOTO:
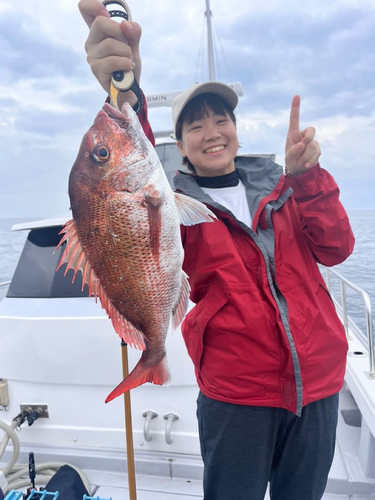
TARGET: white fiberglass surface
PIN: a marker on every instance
(56, 220)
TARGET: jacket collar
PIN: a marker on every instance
(259, 175)
(262, 178)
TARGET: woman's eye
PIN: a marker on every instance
(196, 127)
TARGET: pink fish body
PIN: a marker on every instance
(125, 238)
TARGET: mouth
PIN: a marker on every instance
(120, 117)
(215, 150)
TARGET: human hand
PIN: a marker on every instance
(302, 152)
(110, 46)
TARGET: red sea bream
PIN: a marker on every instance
(125, 238)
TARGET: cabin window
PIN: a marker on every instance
(36, 276)
(170, 159)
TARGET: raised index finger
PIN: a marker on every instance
(294, 114)
(90, 9)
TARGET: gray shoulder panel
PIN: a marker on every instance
(260, 176)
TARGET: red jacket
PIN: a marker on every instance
(264, 330)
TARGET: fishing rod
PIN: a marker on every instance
(122, 81)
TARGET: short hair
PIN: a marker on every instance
(196, 109)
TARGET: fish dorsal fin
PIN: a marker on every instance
(75, 258)
(182, 304)
(192, 211)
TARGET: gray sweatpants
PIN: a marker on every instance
(244, 447)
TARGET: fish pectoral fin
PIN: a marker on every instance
(192, 211)
(75, 258)
(180, 310)
(154, 202)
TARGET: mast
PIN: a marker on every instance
(166, 98)
(211, 62)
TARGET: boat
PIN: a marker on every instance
(59, 358)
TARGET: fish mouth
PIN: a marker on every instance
(120, 117)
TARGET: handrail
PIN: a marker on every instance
(5, 283)
(368, 313)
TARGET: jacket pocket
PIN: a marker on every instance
(197, 320)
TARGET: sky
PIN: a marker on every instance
(323, 51)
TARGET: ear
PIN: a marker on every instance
(181, 148)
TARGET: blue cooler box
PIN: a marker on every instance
(44, 495)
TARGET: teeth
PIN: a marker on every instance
(215, 149)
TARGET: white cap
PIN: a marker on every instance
(221, 89)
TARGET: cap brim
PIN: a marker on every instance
(218, 88)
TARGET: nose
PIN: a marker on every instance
(212, 133)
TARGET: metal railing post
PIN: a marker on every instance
(328, 279)
(368, 313)
(344, 309)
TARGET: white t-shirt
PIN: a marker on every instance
(232, 198)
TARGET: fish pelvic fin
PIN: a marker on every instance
(156, 374)
(180, 310)
(75, 258)
(191, 211)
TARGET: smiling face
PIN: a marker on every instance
(208, 137)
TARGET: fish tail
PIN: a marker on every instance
(157, 374)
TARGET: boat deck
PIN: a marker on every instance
(115, 485)
(192, 492)
(174, 489)
(108, 480)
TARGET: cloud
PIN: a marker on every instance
(322, 51)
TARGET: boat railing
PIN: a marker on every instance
(348, 322)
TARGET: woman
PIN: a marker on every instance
(268, 348)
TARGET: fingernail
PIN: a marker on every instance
(132, 65)
(129, 25)
(307, 165)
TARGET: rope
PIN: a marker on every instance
(222, 50)
(216, 56)
(239, 107)
(200, 53)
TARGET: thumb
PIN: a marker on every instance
(133, 33)
(295, 152)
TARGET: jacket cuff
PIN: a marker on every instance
(302, 179)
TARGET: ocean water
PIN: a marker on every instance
(358, 268)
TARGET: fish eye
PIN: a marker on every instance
(100, 153)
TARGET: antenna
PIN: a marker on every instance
(211, 62)
(166, 98)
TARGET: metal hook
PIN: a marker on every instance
(149, 415)
(170, 418)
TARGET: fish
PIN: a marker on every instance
(125, 239)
